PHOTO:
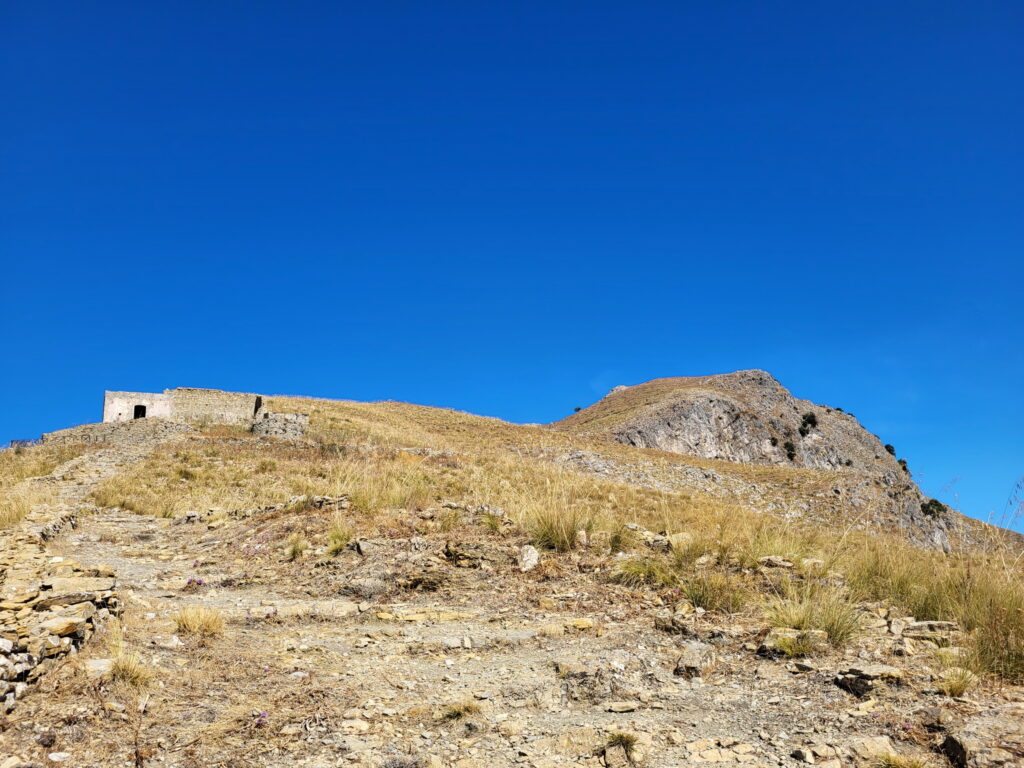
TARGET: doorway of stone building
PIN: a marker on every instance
(140, 412)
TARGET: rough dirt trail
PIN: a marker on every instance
(491, 668)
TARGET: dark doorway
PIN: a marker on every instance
(140, 412)
(259, 404)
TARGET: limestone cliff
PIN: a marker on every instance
(749, 417)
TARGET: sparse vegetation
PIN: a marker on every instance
(934, 507)
(199, 621)
(894, 760)
(625, 741)
(460, 710)
(296, 546)
(716, 591)
(890, 449)
(338, 536)
(815, 606)
(644, 571)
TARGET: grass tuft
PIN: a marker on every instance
(460, 710)
(338, 536)
(199, 621)
(295, 547)
(716, 591)
(644, 571)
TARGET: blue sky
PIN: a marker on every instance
(508, 210)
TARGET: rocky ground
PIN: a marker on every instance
(432, 645)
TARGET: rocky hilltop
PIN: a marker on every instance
(749, 417)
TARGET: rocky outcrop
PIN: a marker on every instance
(749, 417)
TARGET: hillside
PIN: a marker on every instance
(749, 417)
(404, 587)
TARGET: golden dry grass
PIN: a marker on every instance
(17, 464)
(18, 501)
(393, 458)
(199, 620)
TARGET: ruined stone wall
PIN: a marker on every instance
(120, 406)
(212, 405)
(122, 432)
(288, 426)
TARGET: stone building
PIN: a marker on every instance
(185, 404)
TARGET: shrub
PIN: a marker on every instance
(809, 422)
(889, 447)
(644, 571)
(903, 463)
(790, 449)
(934, 508)
(774, 440)
(199, 620)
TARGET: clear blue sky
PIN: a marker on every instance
(510, 208)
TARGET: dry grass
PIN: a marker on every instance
(461, 710)
(893, 760)
(393, 458)
(645, 571)
(17, 502)
(295, 547)
(127, 668)
(717, 591)
(812, 605)
(199, 621)
(338, 536)
(17, 464)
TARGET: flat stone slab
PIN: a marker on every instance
(70, 584)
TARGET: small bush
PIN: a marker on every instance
(934, 508)
(790, 449)
(644, 571)
(199, 620)
(890, 448)
(716, 592)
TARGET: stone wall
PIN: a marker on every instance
(120, 406)
(215, 406)
(122, 432)
(186, 404)
(288, 426)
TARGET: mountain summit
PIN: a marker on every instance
(749, 417)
